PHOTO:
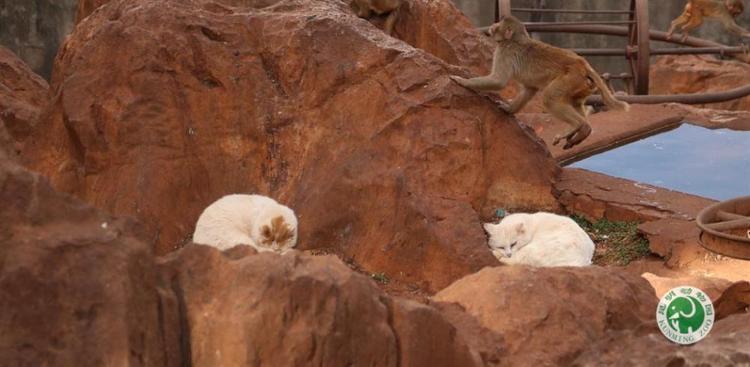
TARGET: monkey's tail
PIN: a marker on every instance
(607, 96)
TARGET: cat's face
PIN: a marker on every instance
(278, 235)
(507, 237)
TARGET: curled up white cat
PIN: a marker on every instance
(540, 239)
(253, 220)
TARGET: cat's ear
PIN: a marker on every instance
(487, 227)
(520, 229)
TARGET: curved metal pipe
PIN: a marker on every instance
(623, 32)
(694, 98)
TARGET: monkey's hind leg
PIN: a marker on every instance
(585, 130)
(695, 21)
(678, 22)
(575, 135)
(390, 22)
(571, 112)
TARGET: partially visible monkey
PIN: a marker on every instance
(365, 8)
(564, 78)
(725, 11)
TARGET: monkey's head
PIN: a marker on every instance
(735, 7)
(507, 29)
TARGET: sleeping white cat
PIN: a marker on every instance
(253, 220)
(540, 239)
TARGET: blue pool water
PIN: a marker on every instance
(709, 163)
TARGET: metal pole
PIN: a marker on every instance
(643, 58)
(547, 24)
(501, 9)
(623, 32)
(662, 51)
(694, 98)
(570, 11)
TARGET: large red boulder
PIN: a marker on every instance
(23, 95)
(440, 29)
(164, 106)
(86, 7)
(77, 286)
(240, 309)
(726, 345)
(548, 316)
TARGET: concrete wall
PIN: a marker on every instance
(34, 29)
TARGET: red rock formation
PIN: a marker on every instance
(439, 28)
(23, 95)
(734, 300)
(713, 287)
(77, 286)
(86, 7)
(550, 315)
(168, 105)
(6, 144)
(700, 74)
(295, 309)
(726, 345)
(595, 196)
(81, 288)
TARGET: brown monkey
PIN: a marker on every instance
(722, 10)
(564, 78)
(365, 9)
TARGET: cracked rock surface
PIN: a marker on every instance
(384, 159)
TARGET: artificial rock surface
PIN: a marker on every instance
(382, 157)
(79, 287)
(296, 309)
(23, 96)
(548, 316)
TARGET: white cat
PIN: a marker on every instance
(254, 220)
(540, 239)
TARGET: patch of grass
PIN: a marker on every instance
(381, 278)
(617, 243)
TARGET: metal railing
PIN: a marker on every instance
(638, 51)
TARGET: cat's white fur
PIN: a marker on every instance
(240, 219)
(540, 239)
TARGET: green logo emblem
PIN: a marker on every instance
(685, 315)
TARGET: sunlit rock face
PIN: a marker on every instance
(161, 107)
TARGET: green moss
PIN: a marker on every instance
(381, 278)
(617, 243)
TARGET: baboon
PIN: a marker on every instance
(365, 8)
(722, 10)
(564, 78)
